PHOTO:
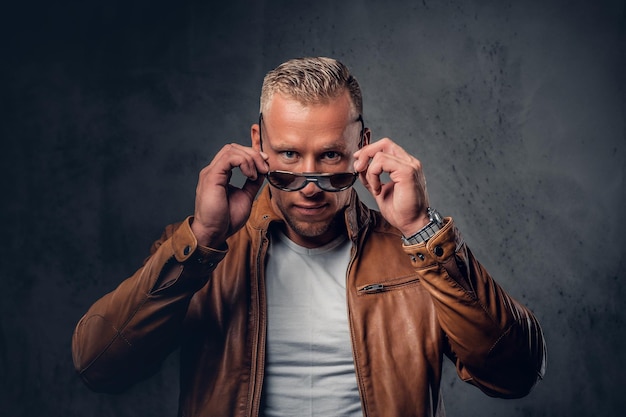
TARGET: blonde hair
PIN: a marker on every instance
(311, 80)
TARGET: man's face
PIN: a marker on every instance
(304, 139)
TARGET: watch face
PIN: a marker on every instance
(435, 216)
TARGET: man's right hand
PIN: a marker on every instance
(221, 208)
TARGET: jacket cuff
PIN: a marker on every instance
(437, 249)
(186, 248)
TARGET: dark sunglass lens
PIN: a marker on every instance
(283, 180)
(339, 181)
(336, 182)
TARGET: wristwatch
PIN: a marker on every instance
(428, 231)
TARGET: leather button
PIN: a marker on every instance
(186, 250)
(438, 250)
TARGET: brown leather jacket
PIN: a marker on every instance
(407, 306)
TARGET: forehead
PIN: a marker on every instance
(288, 120)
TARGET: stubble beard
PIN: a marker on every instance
(325, 230)
(312, 230)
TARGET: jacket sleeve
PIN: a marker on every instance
(126, 334)
(496, 342)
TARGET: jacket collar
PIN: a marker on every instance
(356, 216)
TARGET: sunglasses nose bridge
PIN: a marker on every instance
(314, 180)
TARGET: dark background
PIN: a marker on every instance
(110, 109)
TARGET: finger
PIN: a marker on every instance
(252, 187)
(381, 163)
(254, 162)
(384, 145)
(364, 155)
(249, 161)
(372, 177)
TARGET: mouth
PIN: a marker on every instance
(309, 209)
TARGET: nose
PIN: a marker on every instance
(310, 189)
(308, 165)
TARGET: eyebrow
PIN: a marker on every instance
(339, 145)
(335, 146)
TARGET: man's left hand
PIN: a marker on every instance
(403, 201)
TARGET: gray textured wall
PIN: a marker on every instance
(517, 110)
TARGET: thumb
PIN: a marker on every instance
(251, 187)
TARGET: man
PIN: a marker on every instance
(303, 301)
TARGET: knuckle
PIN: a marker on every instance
(204, 171)
(229, 147)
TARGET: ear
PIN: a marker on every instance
(255, 136)
(367, 136)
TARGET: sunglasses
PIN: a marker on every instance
(290, 181)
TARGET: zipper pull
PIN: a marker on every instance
(373, 288)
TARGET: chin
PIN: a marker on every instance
(311, 230)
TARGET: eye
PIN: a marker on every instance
(331, 155)
(288, 154)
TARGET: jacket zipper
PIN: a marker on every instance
(372, 288)
(258, 357)
(352, 338)
(378, 287)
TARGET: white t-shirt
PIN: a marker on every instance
(309, 369)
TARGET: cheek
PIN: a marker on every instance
(278, 200)
(342, 198)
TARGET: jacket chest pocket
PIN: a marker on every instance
(388, 285)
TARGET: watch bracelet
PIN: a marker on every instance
(426, 232)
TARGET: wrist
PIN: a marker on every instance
(412, 229)
(205, 236)
(429, 227)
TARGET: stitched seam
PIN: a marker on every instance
(470, 294)
(118, 334)
(493, 346)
